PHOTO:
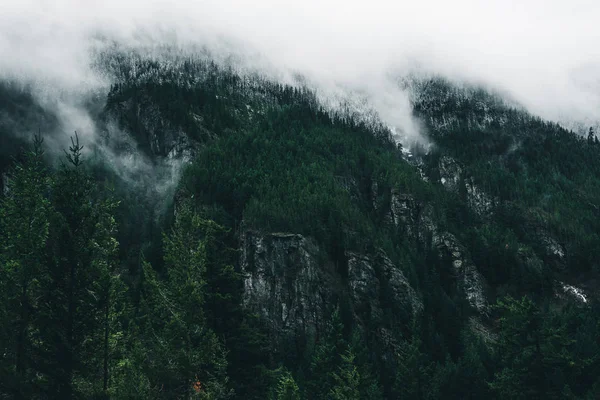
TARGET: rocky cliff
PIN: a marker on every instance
(293, 284)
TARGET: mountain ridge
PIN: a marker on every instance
(315, 234)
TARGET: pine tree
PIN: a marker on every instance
(24, 229)
(347, 379)
(326, 359)
(287, 389)
(183, 357)
(413, 369)
(108, 286)
(134, 358)
(535, 355)
(58, 256)
(591, 136)
(76, 300)
(370, 388)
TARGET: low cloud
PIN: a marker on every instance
(545, 54)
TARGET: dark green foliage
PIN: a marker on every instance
(347, 379)
(545, 176)
(182, 356)
(62, 263)
(287, 389)
(297, 170)
(538, 359)
(161, 315)
(413, 370)
(326, 359)
(24, 231)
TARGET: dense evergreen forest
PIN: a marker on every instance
(300, 253)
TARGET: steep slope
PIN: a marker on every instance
(532, 181)
(335, 243)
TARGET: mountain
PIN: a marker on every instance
(229, 237)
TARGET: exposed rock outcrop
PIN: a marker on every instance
(364, 286)
(402, 293)
(451, 177)
(368, 275)
(552, 246)
(549, 249)
(293, 286)
(404, 211)
(570, 292)
(163, 138)
(468, 278)
(477, 200)
(482, 330)
(450, 173)
(286, 284)
(154, 131)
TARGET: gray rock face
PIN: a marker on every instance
(451, 178)
(379, 203)
(163, 139)
(572, 293)
(549, 248)
(364, 286)
(285, 283)
(375, 195)
(552, 246)
(367, 275)
(479, 201)
(425, 226)
(293, 287)
(468, 278)
(450, 174)
(403, 295)
(482, 330)
(404, 211)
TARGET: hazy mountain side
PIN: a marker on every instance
(526, 174)
(187, 102)
(172, 108)
(340, 186)
(20, 118)
(330, 243)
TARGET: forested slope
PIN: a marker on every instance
(301, 253)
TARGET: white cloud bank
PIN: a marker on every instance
(545, 53)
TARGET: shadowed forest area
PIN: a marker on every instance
(301, 253)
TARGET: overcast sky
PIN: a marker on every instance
(545, 53)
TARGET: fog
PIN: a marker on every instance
(545, 54)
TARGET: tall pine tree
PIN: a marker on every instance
(24, 230)
(182, 357)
